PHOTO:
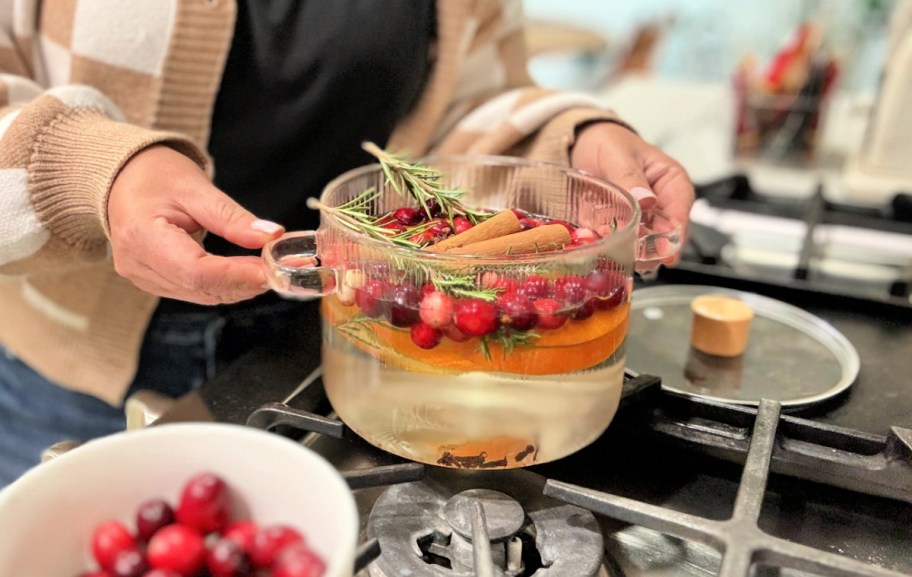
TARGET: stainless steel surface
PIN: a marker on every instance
(792, 356)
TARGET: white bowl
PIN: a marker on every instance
(49, 514)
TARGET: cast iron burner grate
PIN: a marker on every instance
(882, 468)
(739, 539)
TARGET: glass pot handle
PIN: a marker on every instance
(293, 269)
(659, 238)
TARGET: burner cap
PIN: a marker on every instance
(504, 516)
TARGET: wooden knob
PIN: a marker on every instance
(721, 325)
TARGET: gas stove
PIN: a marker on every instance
(677, 486)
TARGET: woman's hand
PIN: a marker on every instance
(159, 206)
(616, 153)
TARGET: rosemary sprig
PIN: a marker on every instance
(508, 340)
(424, 184)
(463, 286)
(354, 215)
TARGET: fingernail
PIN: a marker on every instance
(642, 193)
(266, 226)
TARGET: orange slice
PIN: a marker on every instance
(576, 346)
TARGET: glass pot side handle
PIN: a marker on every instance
(293, 268)
(659, 238)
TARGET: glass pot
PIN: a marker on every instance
(542, 383)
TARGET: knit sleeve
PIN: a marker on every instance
(60, 150)
(496, 108)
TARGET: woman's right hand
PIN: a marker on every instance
(159, 205)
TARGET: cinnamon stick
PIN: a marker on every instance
(501, 224)
(539, 239)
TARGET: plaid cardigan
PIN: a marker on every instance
(85, 84)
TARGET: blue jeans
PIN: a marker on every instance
(181, 350)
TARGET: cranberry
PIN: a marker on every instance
(455, 334)
(270, 541)
(427, 288)
(371, 298)
(607, 286)
(517, 311)
(241, 532)
(583, 235)
(433, 208)
(152, 516)
(205, 504)
(408, 216)
(130, 563)
(394, 226)
(475, 317)
(436, 309)
(585, 310)
(570, 289)
(536, 287)
(299, 561)
(528, 223)
(549, 316)
(520, 213)
(461, 224)
(505, 285)
(99, 573)
(226, 558)
(403, 306)
(177, 548)
(161, 573)
(109, 539)
(425, 336)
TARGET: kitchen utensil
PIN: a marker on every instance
(501, 399)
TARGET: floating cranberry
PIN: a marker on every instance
(371, 298)
(242, 533)
(408, 216)
(270, 541)
(436, 309)
(152, 516)
(454, 334)
(607, 287)
(131, 563)
(536, 287)
(226, 558)
(427, 288)
(299, 561)
(177, 548)
(585, 310)
(461, 224)
(528, 223)
(549, 316)
(403, 305)
(517, 311)
(570, 289)
(108, 540)
(583, 235)
(475, 317)
(433, 208)
(205, 504)
(425, 336)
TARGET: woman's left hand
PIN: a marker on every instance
(618, 154)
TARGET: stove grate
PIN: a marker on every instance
(739, 539)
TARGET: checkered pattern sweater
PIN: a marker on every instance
(85, 84)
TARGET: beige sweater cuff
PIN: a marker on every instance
(554, 141)
(74, 162)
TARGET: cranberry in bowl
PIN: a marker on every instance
(181, 500)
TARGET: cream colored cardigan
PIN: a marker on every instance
(85, 84)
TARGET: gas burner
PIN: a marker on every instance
(467, 523)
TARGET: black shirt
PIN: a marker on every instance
(306, 81)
